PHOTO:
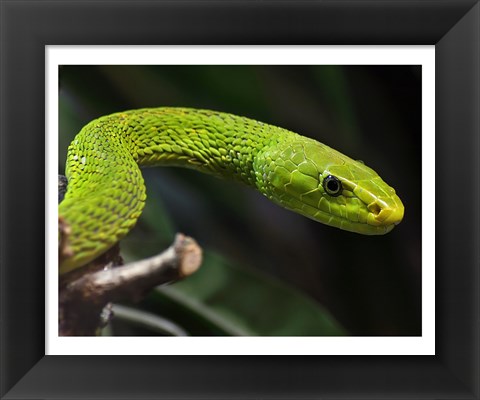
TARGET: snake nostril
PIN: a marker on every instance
(374, 208)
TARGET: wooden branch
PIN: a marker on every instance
(86, 294)
(83, 297)
(62, 187)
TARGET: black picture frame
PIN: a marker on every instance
(453, 26)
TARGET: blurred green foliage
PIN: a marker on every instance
(268, 271)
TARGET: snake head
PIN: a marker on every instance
(320, 183)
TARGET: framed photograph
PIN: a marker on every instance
(282, 305)
(253, 288)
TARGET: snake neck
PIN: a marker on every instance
(216, 143)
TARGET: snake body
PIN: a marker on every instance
(106, 192)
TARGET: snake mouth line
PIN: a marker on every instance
(370, 227)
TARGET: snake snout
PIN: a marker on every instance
(387, 213)
(384, 207)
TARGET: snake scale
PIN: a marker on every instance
(106, 191)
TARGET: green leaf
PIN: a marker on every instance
(224, 299)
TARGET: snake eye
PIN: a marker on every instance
(332, 185)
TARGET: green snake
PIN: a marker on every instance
(106, 191)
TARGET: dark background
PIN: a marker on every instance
(369, 285)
